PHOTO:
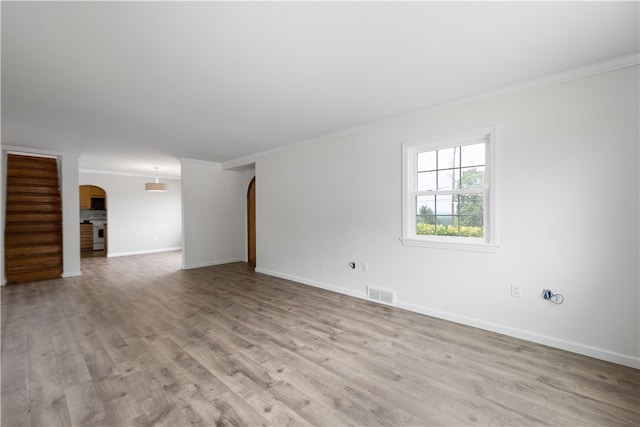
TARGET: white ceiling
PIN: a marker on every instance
(133, 85)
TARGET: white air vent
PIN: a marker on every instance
(381, 295)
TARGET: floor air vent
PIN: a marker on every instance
(381, 295)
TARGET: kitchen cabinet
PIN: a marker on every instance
(88, 192)
(97, 192)
(86, 237)
(85, 197)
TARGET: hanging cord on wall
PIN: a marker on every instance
(554, 298)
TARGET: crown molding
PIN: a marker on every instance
(17, 149)
(529, 85)
(241, 163)
(117, 173)
(539, 83)
(216, 165)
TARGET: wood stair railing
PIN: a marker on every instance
(33, 220)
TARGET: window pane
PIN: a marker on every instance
(426, 207)
(449, 158)
(426, 181)
(446, 204)
(425, 218)
(470, 215)
(473, 155)
(471, 230)
(471, 220)
(445, 226)
(472, 177)
(447, 179)
(470, 205)
(427, 161)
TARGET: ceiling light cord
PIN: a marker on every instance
(156, 186)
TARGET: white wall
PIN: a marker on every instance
(215, 214)
(568, 218)
(139, 221)
(70, 216)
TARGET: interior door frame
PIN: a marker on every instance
(251, 222)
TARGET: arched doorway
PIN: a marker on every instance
(93, 221)
(251, 222)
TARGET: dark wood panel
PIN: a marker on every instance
(32, 239)
(26, 189)
(16, 275)
(44, 227)
(22, 251)
(251, 222)
(29, 273)
(31, 160)
(38, 261)
(32, 173)
(137, 341)
(32, 202)
(38, 182)
(23, 198)
(86, 237)
(39, 218)
(33, 207)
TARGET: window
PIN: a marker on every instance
(449, 192)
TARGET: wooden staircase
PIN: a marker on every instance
(33, 227)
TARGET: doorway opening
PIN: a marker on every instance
(93, 221)
(251, 222)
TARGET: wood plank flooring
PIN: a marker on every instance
(135, 341)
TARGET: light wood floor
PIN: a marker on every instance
(136, 341)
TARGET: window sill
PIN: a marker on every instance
(456, 246)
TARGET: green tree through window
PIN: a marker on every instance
(470, 206)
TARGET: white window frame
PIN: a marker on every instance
(410, 151)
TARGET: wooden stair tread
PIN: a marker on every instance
(38, 274)
(21, 218)
(33, 207)
(26, 189)
(22, 251)
(33, 219)
(32, 240)
(23, 180)
(32, 159)
(32, 173)
(25, 227)
(43, 261)
(36, 199)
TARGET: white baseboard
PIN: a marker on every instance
(146, 251)
(71, 274)
(573, 347)
(211, 263)
(302, 280)
(609, 356)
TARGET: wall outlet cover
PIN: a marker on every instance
(515, 290)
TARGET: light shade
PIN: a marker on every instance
(155, 186)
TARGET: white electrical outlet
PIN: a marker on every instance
(365, 266)
(515, 290)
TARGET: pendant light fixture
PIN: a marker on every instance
(156, 186)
